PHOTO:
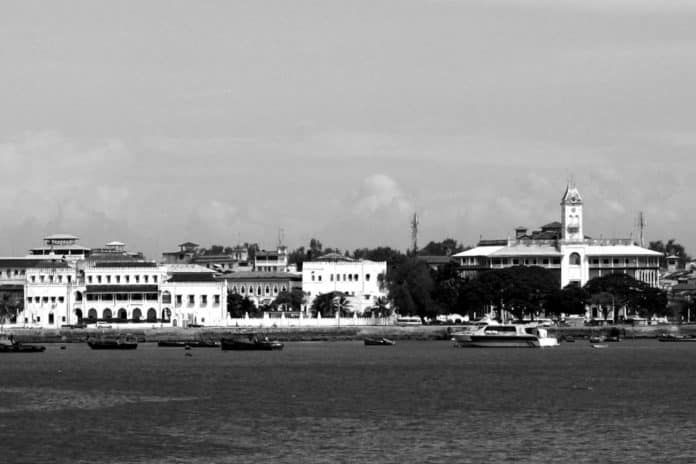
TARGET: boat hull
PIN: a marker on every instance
(112, 346)
(378, 342)
(190, 344)
(20, 348)
(244, 345)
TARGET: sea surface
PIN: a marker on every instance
(341, 402)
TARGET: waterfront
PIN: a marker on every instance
(341, 401)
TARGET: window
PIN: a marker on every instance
(108, 279)
(121, 297)
(545, 261)
(616, 261)
(178, 300)
(312, 277)
(356, 277)
(137, 279)
(367, 277)
(204, 299)
(191, 299)
(319, 278)
(37, 299)
(89, 279)
(166, 298)
(515, 261)
(107, 297)
(216, 299)
(69, 279)
(41, 278)
(33, 278)
(53, 299)
(45, 299)
(118, 279)
(331, 277)
(574, 259)
(154, 279)
(99, 279)
(146, 279)
(268, 289)
(136, 296)
(127, 279)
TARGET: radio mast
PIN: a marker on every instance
(414, 233)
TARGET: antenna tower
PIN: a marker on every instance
(641, 223)
(414, 233)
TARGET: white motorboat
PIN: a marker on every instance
(505, 336)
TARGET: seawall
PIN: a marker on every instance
(424, 332)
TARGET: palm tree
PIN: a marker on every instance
(341, 304)
(381, 307)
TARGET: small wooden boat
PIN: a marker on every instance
(676, 338)
(121, 342)
(190, 344)
(9, 345)
(378, 341)
(599, 345)
(252, 343)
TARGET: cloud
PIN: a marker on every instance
(379, 192)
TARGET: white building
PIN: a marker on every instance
(564, 249)
(362, 281)
(114, 288)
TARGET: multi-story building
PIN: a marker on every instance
(261, 287)
(564, 249)
(114, 286)
(361, 281)
(271, 261)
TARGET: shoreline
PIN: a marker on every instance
(424, 332)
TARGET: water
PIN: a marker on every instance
(344, 402)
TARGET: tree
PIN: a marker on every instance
(328, 304)
(381, 307)
(238, 305)
(672, 247)
(569, 300)
(619, 290)
(410, 287)
(381, 253)
(292, 299)
(446, 247)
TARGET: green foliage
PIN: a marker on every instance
(410, 287)
(238, 305)
(291, 300)
(618, 290)
(672, 247)
(328, 304)
(446, 247)
(569, 300)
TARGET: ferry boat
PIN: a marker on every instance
(505, 336)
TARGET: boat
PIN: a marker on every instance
(9, 345)
(600, 345)
(598, 339)
(676, 338)
(505, 336)
(120, 342)
(378, 341)
(250, 343)
(190, 344)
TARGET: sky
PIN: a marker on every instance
(223, 122)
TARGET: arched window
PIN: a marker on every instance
(78, 314)
(92, 314)
(258, 290)
(78, 296)
(122, 314)
(152, 314)
(574, 259)
(166, 314)
(137, 315)
(268, 290)
(106, 315)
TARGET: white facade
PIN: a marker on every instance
(575, 257)
(362, 281)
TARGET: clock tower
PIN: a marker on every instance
(571, 214)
